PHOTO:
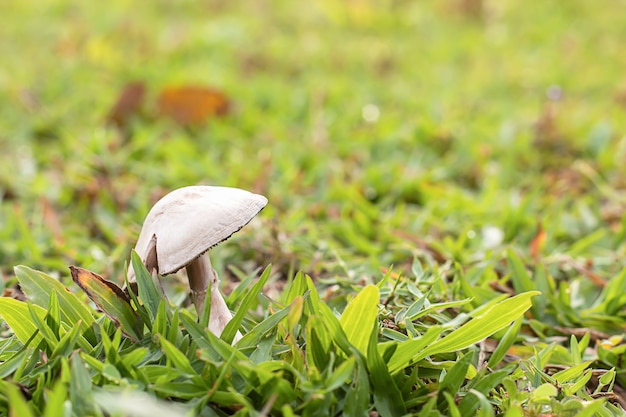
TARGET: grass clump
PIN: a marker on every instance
(297, 357)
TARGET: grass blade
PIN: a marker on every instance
(18, 316)
(18, 407)
(494, 319)
(38, 286)
(231, 328)
(150, 291)
(178, 359)
(387, 396)
(505, 343)
(81, 394)
(357, 320)
(407, 352)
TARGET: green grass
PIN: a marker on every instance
(495, 127)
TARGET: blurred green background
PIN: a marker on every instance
(380, 131)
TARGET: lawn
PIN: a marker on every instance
(446, 226)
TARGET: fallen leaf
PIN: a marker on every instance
(192, 105)
(128, 105)
(111, 299)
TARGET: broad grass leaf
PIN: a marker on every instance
(10, 365)
(592, 409)
(17, 314)
(38, 286)
(188, 391)
(406, 352)
(414, 315)
(263, 350)
(543, 391)
(295, 313)
(231, 328)
(134, 357)
(335, 331)
(569, 374)
(174, 333)
(245, 282)
(94, 363)
(254, 336)
(55, 400)
(298, 286)
(182, 390)
(111, 299)
(18, 406)
(177, 358)
(544, 283)
(505, 343)
(111, 373)
(207, 340)
(453, 410)
(358, 396)
(192, 105)
(317, 343)
(53, 318)
(340, 375)
(81, 394)
(571, 389)
(484, 382)
(490, 321)
(357, 320)
(521, 279)
(312, 305)
(387, 396)
(515, 411)
(456, 375)
(161, 323)
(486, 409)
(67, 343)
(154, 374)
(613, 295)
(44, 329)
(149, 290)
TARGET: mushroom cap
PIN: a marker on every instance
(191, 220)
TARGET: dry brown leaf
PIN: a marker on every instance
(192, 105)
(111, 299)
(128, 104)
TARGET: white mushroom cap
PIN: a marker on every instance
(191, 220)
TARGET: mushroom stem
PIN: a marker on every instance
(201, 274)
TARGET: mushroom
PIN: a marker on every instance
(185, 224)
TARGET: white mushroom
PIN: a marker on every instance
(185, 224)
